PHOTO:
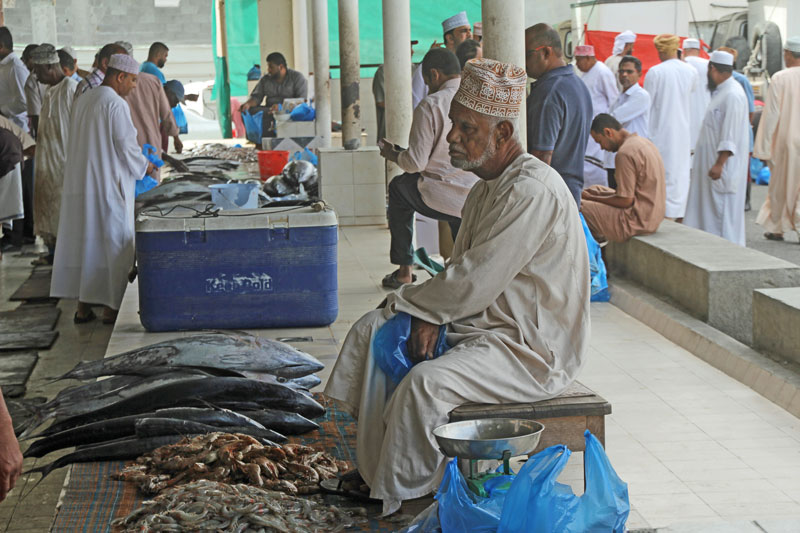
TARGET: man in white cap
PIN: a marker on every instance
(52, 140)
(603, 87)
(721, 158)
(623, 46)
(777, 143)
(700, 96)
(95, 78)
(456, 30)
(669, 84)
(94, 251)
(520, 248)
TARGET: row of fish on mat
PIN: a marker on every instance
(230, 382)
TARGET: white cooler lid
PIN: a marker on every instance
(183, 219)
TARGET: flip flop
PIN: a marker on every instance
(422, 259)
(390, 281)
(773, 236)
(334, 486)
(84, 319)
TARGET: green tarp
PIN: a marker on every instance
(243, 44)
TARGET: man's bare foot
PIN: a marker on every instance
(404, 274)
(109, 315)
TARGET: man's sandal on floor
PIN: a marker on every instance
(773, 236)
(348, 485)
(84, 319)
(390, 281)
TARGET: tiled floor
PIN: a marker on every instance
(699, 450)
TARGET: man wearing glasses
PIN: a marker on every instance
(559, 108)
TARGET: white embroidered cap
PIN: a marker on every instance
(456, 21)
(123, 63)
(721, 57)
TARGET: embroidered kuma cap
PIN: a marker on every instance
(44, 54)
(492, 88)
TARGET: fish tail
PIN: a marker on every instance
(30, 425)
(44, 470)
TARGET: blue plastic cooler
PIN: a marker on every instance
(251, 268)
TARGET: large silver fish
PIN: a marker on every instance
(232, 351)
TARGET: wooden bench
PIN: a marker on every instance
(565, 417)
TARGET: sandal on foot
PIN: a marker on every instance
(84, 319)
(336, 486)
(390, 281)
(773, 236)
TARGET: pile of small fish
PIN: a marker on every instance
(212, 506)
(222, 151)
(233, 458)
(193, 385)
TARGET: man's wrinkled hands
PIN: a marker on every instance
(422, 340)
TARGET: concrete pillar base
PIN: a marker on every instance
(353, 183)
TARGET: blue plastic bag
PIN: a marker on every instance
(254, 73)
(763, 176)
(306, 155)
(180, 119)
(390, 350)
(537, 502)
(597, 267)
(303, 113)
(145, 184)
(252, 126)
(460, 509)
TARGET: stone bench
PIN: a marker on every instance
(776, 322)
(710, 277)
(565, 417)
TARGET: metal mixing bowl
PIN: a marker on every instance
(488, 438)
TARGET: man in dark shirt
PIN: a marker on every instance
(280, 83)
(559, 108)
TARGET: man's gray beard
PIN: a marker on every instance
(488, 153)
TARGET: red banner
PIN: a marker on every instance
(643, 48)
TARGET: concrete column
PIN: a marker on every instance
(351, 73)
(504, 39)
(44, 30)
(300, 36)
(322, 78)
(397, 69)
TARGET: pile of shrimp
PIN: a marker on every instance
(212, 506)
(233, 458)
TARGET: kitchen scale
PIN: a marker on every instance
(490, 438)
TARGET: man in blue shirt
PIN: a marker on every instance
(559, 108)
(156, 59)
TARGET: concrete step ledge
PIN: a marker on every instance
(779, 382)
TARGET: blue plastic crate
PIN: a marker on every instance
(258, 268)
